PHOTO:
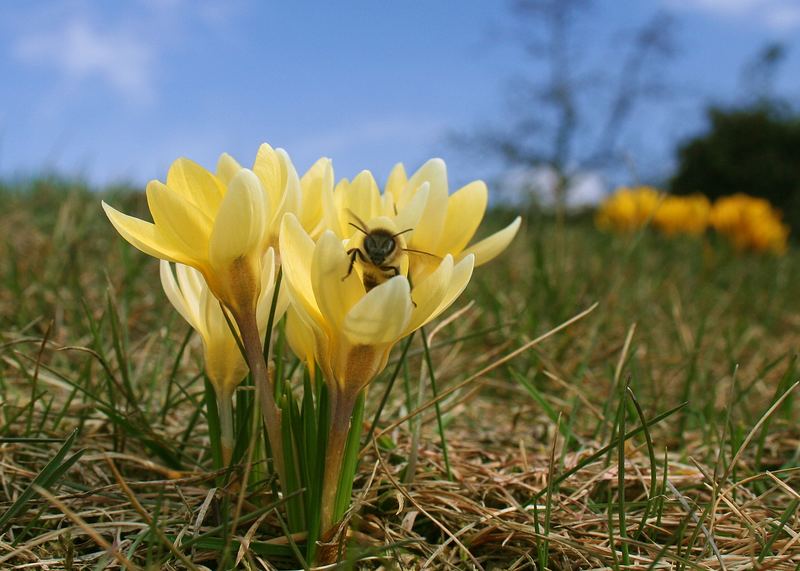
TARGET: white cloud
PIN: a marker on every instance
(81, 51)
(586, 188)
(779, 15)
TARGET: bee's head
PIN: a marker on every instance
(379, 245)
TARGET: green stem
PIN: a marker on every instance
(342, 405)
(225, 411)
(251, 339)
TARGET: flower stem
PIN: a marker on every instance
(225, 411)
(341, 412)
(251, 340)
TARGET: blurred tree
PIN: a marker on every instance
(758, 75)
(570, 111)
(754, 150)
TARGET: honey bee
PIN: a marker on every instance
(381, 254)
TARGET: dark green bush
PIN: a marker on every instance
(754, 150)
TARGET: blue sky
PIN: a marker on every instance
(114, 91)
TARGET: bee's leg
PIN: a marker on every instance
(394, 269)
(353, 253)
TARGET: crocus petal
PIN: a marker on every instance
(196, 185)
(146, 237)
(301, 338)
(428, 294)
(409, 216)
(318, 179)
(465, 210)
(177, 219)
(462, 272)
(396, 183)
(267, 167)
(488, 248)
(265, 300)
(240, 223)
(191, 283)
(225, 365)
(289, 186)
(297, 250)
(176, 296)
(227, 167)
(331, 218)
(336, 288)
(381, 315)
(360, 200)
(429, 230)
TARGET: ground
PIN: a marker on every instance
(101, 408)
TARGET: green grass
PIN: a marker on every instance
(671, 444)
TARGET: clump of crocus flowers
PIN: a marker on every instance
(750, 223)
(354, 269)
(747, 223)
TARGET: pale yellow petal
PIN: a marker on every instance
(335, 291)
(361, 201)
(289, 185)
(227, 167)
(428, 294)
(396, 183)
(489, 248)
(316, 181)
(225, 365)
(301, 339)
(264, 307)
(240, 224)
(177, 219)
(429, 229)
(409, 216)
(462, 272)
(191, 283)
(146, 237)
(186, 308)
(196, 185)
(297, 250)
(331, 199)
(465, 210)
(381, 315)
(267, 167)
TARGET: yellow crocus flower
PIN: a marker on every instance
(353, 329)
(437, 223)
(225, 365)
(750, 223)
(628, 209)
(448, 222)
(683, 215)
(222, 225)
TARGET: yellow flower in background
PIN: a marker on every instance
(683, 215)
(225, 365)
(434, 223)
(750, 223)
(628, 209)
(352, 326)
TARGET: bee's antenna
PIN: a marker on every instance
(421, 252)
(402, 232)
(359, 228)
(357, 219)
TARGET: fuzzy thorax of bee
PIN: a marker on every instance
(380, 248)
